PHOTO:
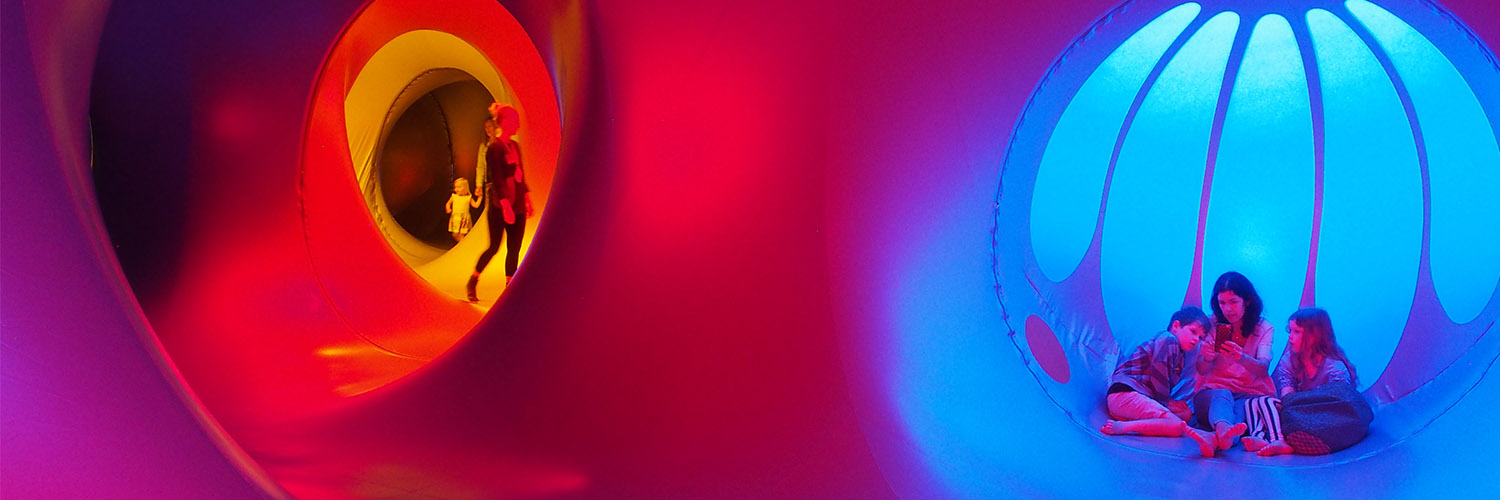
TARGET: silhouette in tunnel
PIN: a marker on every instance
(503, 181)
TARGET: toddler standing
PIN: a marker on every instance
(458, 209)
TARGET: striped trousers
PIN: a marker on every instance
(1263, 416)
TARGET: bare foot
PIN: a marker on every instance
(1275, 448)
(1253, 443)
(1227, 435)
(1112, 428)
(1207, 444)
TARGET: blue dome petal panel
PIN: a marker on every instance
(1076, 162)
(1261, 204)
(1370, 235)
(1156, 192)
(1463, 165)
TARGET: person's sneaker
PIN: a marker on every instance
(473, 283)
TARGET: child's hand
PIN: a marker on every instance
(1206, 350)
(1180, 409)
(1232, 351)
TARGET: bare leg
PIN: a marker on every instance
(1164, 427)
(1275, 448)
(1253, 443)
(472, 286)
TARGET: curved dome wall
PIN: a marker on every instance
(1314, 147)
(767, 270)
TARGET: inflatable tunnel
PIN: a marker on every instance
(773, 250)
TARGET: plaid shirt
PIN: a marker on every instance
(1154, 368)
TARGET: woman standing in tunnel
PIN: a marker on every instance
(505, 186)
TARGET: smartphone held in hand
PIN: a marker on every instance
(1223, 333)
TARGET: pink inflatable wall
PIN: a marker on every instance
(764, 269)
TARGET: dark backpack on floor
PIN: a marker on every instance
(1324, 420)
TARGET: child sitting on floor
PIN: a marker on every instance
(1313, 359)
(1145, 393)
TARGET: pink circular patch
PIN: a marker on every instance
(1046, 349)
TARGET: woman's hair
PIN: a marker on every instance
(503, 114)
(1317, 336)
(1240, 285)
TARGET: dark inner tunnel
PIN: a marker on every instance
(427, 146)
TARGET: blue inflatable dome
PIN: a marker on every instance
(1339, 154)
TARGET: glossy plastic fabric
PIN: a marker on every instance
(765, 272)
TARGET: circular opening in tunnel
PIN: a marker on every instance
(1312, 146)
(415, 116)
(233, 195)
(397, 115)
